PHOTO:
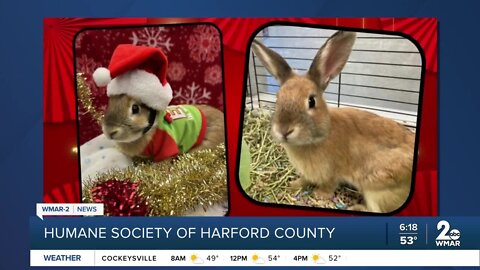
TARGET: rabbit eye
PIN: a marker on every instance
(311, 102)
(135, 109)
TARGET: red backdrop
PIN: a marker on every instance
(61, 172)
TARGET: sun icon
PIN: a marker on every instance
(317, 259)
(257, 259)
(195, 259)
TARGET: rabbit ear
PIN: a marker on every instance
(272, 61)
(332, 57)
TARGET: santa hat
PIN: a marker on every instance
(139, 72)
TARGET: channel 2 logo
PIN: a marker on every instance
(447, 237)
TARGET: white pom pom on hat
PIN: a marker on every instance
(101, 76)
(137, 71)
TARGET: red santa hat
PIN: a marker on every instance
(139, 72)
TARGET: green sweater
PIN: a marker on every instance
(179, 129)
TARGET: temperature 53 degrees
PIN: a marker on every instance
(408, 233)
(408, 239)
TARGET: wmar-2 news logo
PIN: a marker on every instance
(447, 237)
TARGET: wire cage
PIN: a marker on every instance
(382, 75)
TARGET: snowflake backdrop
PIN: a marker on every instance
(194, 55)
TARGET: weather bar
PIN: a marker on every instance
(254, 257)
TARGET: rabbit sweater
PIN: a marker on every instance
(179, 129)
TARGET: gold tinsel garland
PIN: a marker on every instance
(168, 188)
(85, 97)
(173, 187)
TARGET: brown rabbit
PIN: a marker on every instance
(135, 128)
(138, 117)
(327, 145)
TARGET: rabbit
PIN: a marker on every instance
(134, 127)
(328, 146)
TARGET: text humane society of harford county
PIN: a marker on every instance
(188, 232)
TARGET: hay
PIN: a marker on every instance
(271, 171)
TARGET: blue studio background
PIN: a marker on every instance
(21, 52)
